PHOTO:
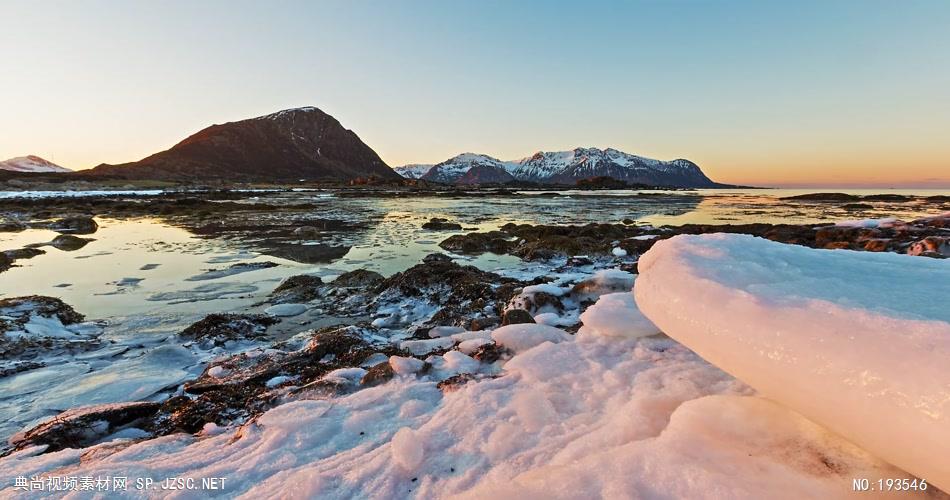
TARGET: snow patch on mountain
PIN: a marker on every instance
(31, 163)
(413, 170)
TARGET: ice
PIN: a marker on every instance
(855, 341)
(522, 337)
(619, 252)
(616, 315)
(286, 310)
(870, 223)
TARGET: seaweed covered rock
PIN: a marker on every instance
(75, 225)
(220, 328)
(438, 224)
(81, 427)
(297, 289)
(359, 278)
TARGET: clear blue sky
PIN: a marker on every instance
(755, 92)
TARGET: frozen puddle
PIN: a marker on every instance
(855, 341)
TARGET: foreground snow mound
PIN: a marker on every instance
(856, 341)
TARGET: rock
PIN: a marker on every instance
(437, 224)
(822, 197)
(5, 262)
(11, 227)
(931, 246)
(299, 288)
(19, 309)
(69, 243)
(489, 353)
(75, 225)
(436, 257)
(81, 427)
(378, 374)
(220, 328)
(360, 278)
(455, 382)
(474, 243)
(307, 254)
(516, 316)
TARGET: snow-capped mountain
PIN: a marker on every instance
(453, 169)
(566, 167)
(413, 170)
(31, 164)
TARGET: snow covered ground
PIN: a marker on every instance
(616, 411)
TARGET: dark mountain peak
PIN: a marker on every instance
(289, 145)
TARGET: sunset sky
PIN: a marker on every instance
(798, 93)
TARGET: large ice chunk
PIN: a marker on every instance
(856, 341)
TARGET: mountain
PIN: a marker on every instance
(413, 170)
(31, 164)
(453, 169)
(566, 168)
(290, 145)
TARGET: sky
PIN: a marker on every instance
(798, 93)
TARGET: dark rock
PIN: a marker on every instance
(378, 374)
(455, 382)
(11, 227)
(436, 257)
(81, 427)
(489, 353)
(220, 328)
(474, 243)
(360, 278)
(5, 262)
(437, 224)
(516, 316)
(75, 225)
(297, 289)
(69, 243)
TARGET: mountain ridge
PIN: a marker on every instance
(563, 168)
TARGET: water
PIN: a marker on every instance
(135, 262)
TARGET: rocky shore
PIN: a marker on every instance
(438, 319)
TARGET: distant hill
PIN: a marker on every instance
(563, 168)
(290, 145)
(31, 163)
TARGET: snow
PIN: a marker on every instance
(855, 341)
(421, 347)
(413, 171)
(407, 449)
(616, 315)
(402, 365)
(31, 164)
(544, 288)
(619, 252)
(521, 337)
